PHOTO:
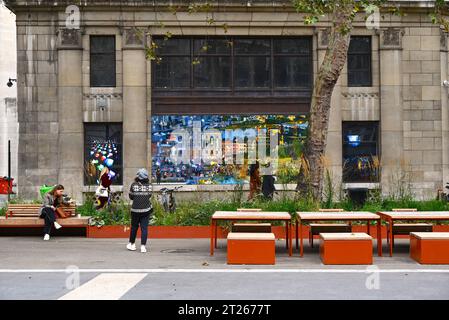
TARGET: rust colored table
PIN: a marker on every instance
(338, 216)
(392, 216)
(250, 216)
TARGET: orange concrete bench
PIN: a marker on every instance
(251, 248)
(346, 248)
(430, 247)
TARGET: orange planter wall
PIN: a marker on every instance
(198, 232)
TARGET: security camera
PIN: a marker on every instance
(446, 83)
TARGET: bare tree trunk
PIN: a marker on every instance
(328, 74)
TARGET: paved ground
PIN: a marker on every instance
(183, 269)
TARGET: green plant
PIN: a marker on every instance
(2, 211)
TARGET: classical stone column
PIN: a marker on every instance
(334, 152)
(134, 106)
(444, 106)
(70, 116)
(391, 124)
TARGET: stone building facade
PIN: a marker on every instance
(405, 97)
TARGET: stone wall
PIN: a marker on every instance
(409, 62)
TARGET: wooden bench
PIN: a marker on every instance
(250, 227)
(406, 228)
(251, 248)
(27, 215)
(317, 228)
(32, 210)
(346, 248)
(430, 247)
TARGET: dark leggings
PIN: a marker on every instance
(142, 219)
(48, 214)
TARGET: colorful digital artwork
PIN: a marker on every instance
(290, 130)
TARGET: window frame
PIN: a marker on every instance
(271, 90)
(360, 124)
(114, 56)
(369, 71)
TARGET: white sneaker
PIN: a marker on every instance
(143, 249)
(131, 246)
(57, 225)
(46, 237)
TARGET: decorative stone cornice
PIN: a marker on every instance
(391, 38)
(69, 39)
(102, 95)
(348, 95)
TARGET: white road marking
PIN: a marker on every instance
(126, 271)
(106, 286)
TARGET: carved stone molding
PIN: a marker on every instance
(133, 39)
(103, 95)
(443, 41)
(323, 37)
(373, 95)
(69, 39)
(391, 38)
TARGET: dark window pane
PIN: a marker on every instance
(360, 152)
(292, 46)
(359, 62)
(102, 61)
(212, 46)
(252, 72)
(252, 46)
(360, 45)
(173, 46)
(102, 44)
(102, 149)
(213, 72)
(292, 72)
(172, 72)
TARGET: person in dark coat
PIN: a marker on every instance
(141, 210)
(268, 187)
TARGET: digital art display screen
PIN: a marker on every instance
(103, 144)
(290, 133)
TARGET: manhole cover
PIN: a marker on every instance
(177, 250)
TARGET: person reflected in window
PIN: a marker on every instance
(254, 180)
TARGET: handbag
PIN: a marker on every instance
(101, 192)
(61, 213)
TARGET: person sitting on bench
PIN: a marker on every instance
(51, 201)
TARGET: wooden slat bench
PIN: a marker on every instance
(346, 248)
(32, 210)
(251, 248)
(430, 247)
(27, 216)
(406, 228)
(250, 227)
(317, 228)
